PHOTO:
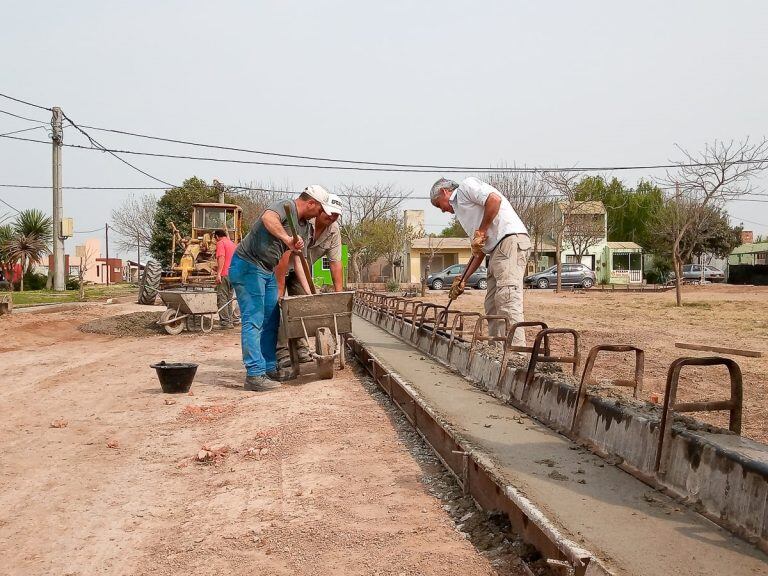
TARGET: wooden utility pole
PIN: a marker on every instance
(106, 241)
(59, 280)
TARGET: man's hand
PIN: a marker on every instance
(457, 288)
(478, 243)
(294, 245)
(218, 278)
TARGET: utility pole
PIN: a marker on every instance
(59, 281)
(106, 241)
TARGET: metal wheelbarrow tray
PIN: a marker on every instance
(324, 316)
(184, 304)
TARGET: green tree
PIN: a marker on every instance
(25, 249)
(176, 206)
(630, 211)
(6, 265)
(453, 230)
(34, 223)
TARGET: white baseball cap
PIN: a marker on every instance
(335, 205)
(322, 195)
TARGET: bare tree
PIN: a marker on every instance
(134, 221)
(585, 227)
(87, 259)
(530, 196)
(365, 206)
(255, 197)
(434, 244)
(720, 173)
(562, 183)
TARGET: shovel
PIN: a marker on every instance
(304, 264)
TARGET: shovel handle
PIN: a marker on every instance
(463, 277)
(304, 264)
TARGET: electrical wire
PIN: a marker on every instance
(11, 207)
(112, 152)
(358, 164)
(25, 118)
(100, 228)
(24, 130)
(27, 103)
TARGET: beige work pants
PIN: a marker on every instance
(506, 271)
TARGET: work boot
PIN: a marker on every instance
(260, 383)
(304, 355)
(279, 375)
(284, 362)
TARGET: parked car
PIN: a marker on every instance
(572, 275)
(692, 273)
(446, 277)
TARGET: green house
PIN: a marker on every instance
(321, 271)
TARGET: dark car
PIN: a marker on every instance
(443, 279)
(572, 275)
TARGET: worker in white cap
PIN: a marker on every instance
(252, 274)
(325, 243)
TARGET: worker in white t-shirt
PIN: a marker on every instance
(496, 231)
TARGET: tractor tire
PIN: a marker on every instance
(150, 282)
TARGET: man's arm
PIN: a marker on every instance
(274, 225)
(281, 271)
(298, 269)
(337, 274)
(220, 259)
(490, 210)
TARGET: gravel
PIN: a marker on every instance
(134, 324)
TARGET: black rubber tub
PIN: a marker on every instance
(175, 377)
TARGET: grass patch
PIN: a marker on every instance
(92, 294)
(694, 304)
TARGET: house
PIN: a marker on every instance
(321, 269)
(751, 254)
(587, 234)
(435, 253)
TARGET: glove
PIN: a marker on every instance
(478, 243)
(457, 288)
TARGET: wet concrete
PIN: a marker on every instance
(632, 528)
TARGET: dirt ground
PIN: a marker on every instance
(99, 472)
(716, 315)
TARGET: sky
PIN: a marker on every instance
(558, 83)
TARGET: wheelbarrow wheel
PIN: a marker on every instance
(172, 328)
(324, 346)
(206, 327)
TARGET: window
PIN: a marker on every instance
(326, 265)
(97, 271)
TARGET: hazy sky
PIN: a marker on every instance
(473, 83)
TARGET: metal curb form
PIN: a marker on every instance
(477, 475)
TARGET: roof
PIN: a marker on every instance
(624, 246)
(751, 248)
(585, 207)
(430, 242)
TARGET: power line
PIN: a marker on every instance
(25, 102)
(11, 207)
(24, 130)
(749, 221)
(24, 118)
(112, 152)
(99, 229)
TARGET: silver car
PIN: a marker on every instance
(693, 272)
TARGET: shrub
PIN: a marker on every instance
(73, 283)
(32, 281)
(393, 285)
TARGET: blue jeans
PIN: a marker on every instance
(256, 291)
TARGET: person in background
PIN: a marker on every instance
(252, 276)
(326, 242)
(498, 233)
(225, 249)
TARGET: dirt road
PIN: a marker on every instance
(98, 472)
(730, 316)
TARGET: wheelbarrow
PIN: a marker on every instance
(186, 306)
(326, 317)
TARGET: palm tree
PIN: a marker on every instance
(28, 249)
(33, 222)
(6, 265)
